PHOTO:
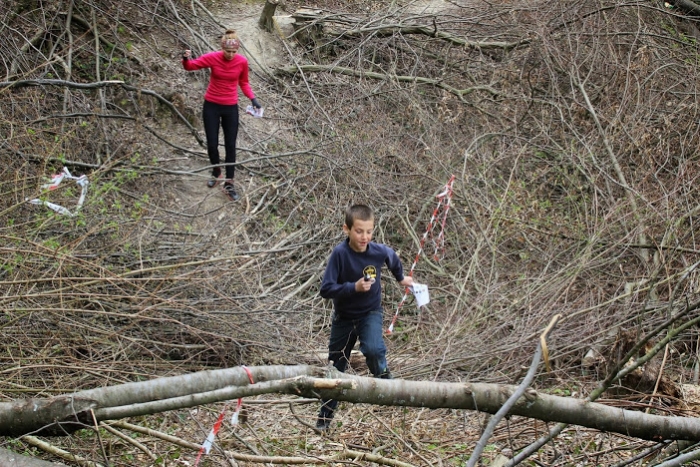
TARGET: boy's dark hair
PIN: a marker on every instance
(358, 211)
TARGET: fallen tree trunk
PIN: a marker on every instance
(687, 5)
(65, 414)
(211, 386)
(348, 26)
(9, 458)
(392, 29)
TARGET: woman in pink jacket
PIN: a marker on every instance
(228, 71)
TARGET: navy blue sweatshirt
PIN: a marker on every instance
(346, 266)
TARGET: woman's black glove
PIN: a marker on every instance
(255, 103)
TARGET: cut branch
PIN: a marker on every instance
(393, 29)
(342, 455)
(15, 460)
(38, 36)
(292, 70)
(308, 16)
(58, 452)
(107, 44)
(99, 85)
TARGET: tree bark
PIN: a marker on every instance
(393, 29)
(219, 385)
(268, 12)
(687, 5)
(64, 414)
(490, 397)
(13, 459)
(54, 416)
(306, 16)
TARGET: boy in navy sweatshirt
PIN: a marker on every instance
(353, 280)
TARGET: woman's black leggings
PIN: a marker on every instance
(227, 115)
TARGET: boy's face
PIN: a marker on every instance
(360, 234)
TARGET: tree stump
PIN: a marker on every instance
(307, 25)
(268, 12)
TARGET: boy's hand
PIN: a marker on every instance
(407, 281)
(363, 285)
(187, 54)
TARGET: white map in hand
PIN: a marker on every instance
(257, 113)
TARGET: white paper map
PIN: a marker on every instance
(257, 113)
(420, 291)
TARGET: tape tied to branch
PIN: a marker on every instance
(56, 180)
(209, 442)
(440, 215)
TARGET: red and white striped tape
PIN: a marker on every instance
(209, 442)
(439, 213)
(56, 180)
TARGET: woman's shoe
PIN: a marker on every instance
(215, 181)
(230, 191)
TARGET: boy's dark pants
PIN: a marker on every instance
(344, 333)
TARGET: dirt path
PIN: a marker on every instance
(210, 210)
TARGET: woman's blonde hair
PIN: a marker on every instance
(228, 37)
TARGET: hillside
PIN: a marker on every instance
(571, 129)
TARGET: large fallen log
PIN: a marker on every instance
(183, 391)
(9, 458)
(311, 24)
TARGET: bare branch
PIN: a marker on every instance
(380, 76)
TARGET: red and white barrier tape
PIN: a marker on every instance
(443, 206)
(209, 442)
(56, 180)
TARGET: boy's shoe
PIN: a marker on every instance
(386, 374)
(231, 191)
(323, 423)
(215, 180)
(325, 417)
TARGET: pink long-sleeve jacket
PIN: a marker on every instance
(226, 76)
